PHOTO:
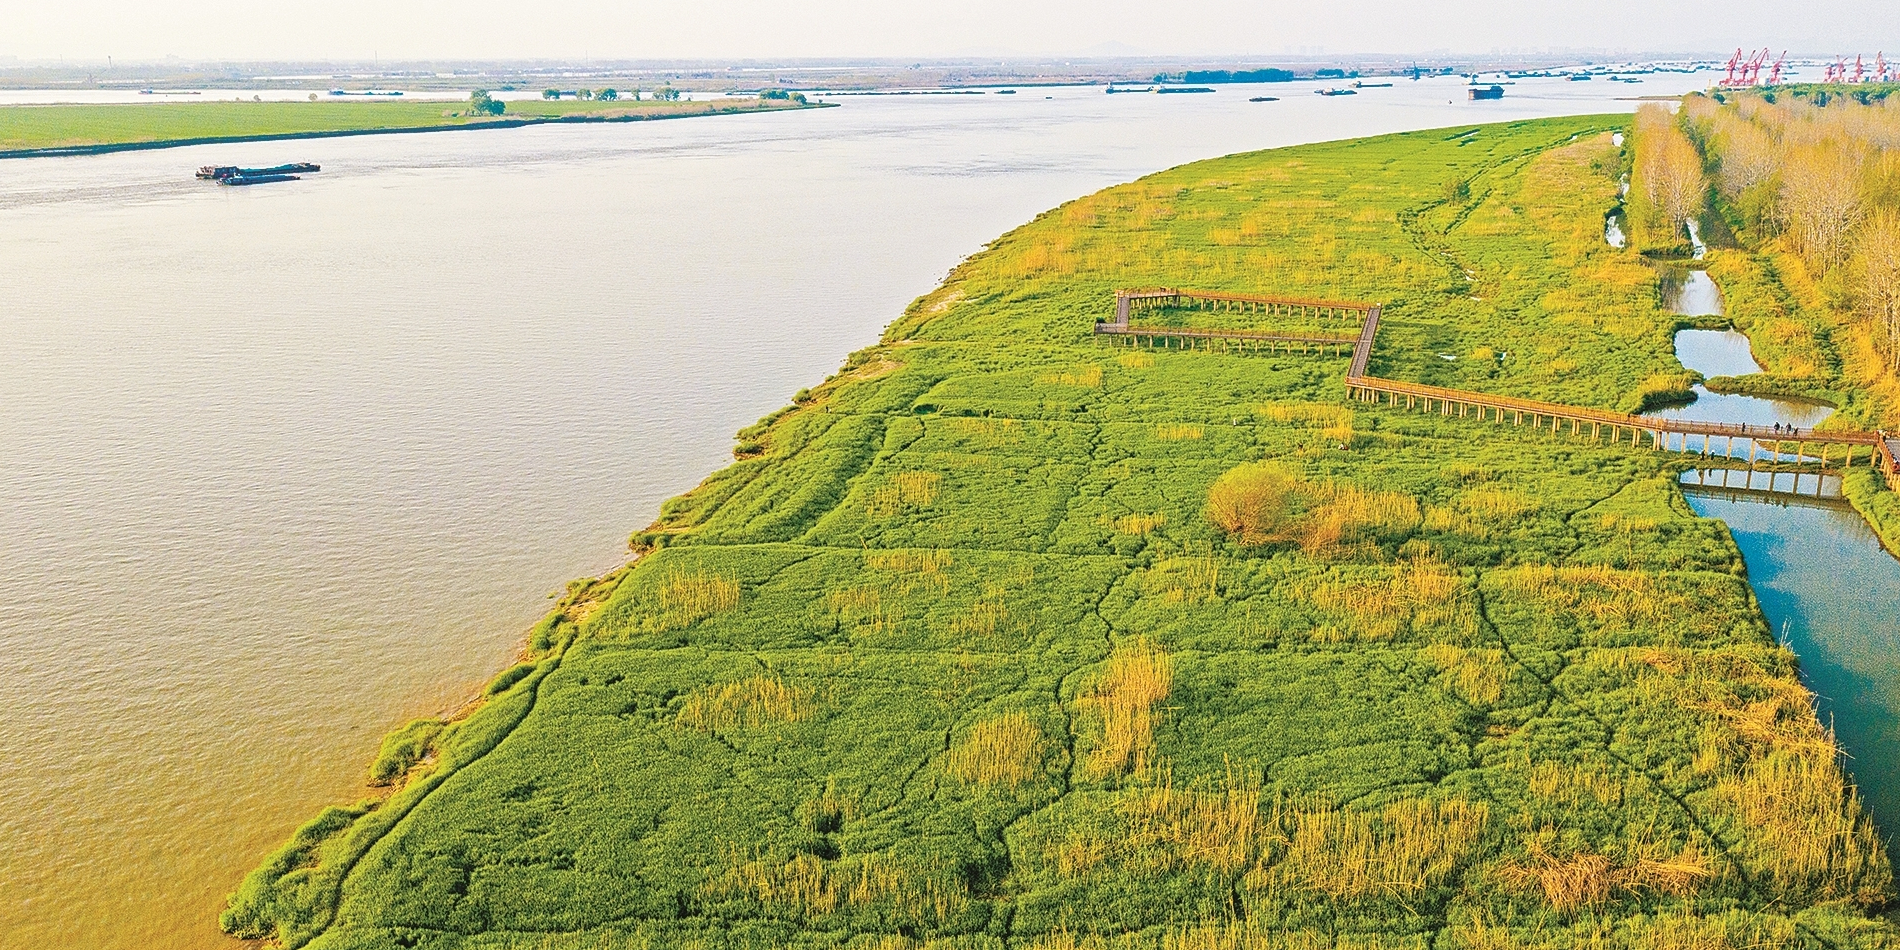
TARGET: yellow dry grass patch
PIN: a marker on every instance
(1193, 579)
(1006, 750)
(1613, 598)
(1135, 360)
(1400, 850)
(1219, 826)
(749, 703)
(1122, 700)
(1480, 512)
(1087, 377)
(903, 491)
(1475, 676)
(1420, 594)
(1587, 879)
(1140, 524)
(1806, 831)
(1267, 502)
(1177, 432)
(808, 886)
(686, 599)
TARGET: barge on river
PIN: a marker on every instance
(234, 175)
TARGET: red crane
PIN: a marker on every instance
(1751, 73)
(1774, 75)
(1733, 61)
(1860, 71)
(1880, 67)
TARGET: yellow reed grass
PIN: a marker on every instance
(686, 599)
(809, 887)
(1475, 676)
(1007, 750)
(909, 562)
(1400, 850)
(1087, 377)
(1137, 677)
(905, 491)
(1135, 360)
(1421, 594)
(1177, 432)
(748, 703)
(1588, 879)
(1317, 415)
(1220, 826)
(1806, 831)
(1194, 579)
(1140, 524)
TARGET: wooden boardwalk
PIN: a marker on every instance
(1757, 444)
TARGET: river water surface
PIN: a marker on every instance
(1825, 583)
(281, 467)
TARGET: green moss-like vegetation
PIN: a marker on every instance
(67, 126)
(1007, 637)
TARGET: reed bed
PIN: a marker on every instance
(1087, 377)
(749, 703)
(1140, 524)
(686, 599)
(1122, 700)
(1007, 750)
(1400, 850)
(905, 491)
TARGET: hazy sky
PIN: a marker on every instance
(602, 29)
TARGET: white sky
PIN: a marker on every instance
(725, 29)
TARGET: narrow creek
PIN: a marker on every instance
(1825, 583)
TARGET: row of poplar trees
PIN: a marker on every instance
(1818, 176)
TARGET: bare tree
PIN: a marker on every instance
(1821, 199)
(1877, 279)
(1668, 177)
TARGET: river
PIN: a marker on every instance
(285, 466)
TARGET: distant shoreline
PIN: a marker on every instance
(59, 151)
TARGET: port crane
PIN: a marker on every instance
(1747, 71)
(1774, 75)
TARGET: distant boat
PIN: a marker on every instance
(1580, 77)
(1476, 93)
(1005, 92)
(1185, 89)
(1265, 99)
(1112, 90)
(1372, 85)
(233, 175)
(371, 92)
(1335, 92)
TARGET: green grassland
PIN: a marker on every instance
(980, 644)
(68, 126)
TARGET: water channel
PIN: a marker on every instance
(1824, 582)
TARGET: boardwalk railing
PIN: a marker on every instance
(1764, 443)
(1129, 301)
(1772, 441)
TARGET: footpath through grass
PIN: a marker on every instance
(71, 126)
(1002, 637)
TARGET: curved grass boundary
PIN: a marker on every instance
(104, 148)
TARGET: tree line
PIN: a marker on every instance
(1818, 178)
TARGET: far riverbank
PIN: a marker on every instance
(97, 130)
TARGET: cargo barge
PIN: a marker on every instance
(234, 175)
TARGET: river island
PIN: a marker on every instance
(1019, 633)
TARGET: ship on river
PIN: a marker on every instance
(235, 175)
